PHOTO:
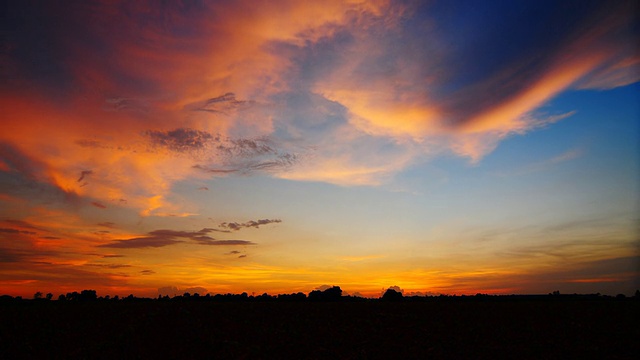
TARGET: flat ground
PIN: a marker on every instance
(316, 330)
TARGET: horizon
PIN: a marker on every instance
(442, 148)
(322, 293)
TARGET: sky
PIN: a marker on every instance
(439, 147)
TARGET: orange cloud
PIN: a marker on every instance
(152, 76)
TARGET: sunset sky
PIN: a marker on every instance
(448, 147)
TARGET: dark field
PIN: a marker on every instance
(534, 329)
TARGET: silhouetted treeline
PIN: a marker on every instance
(322, 324)
(332, 294)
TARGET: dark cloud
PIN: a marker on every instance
(280, 161)
(50, 238)
(141, 242)
(20, 163)
(107, 224)
(165, 237)
(30, 256)
(242, 256)
(112, 256)
(23, 224)
(83, 174)
(214, 170)
(233, 252)
(232, 226)
(41, 262)
(27, 178)
(225, 105)
(120, 104)
(98, 205)
(215, 154)
(16, 231)
(250, 148)
(175, 233)
(10, 256)
(214, 230)
(109, 266)
(147, 272)
(226, 154)
(195, 235)
(203, 188)
(254, 154)
(89, 143)
(181, 140)
(253, 223)
(225, 242)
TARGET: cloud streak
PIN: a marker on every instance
(249, 224)
(166, 237)
(141, 242)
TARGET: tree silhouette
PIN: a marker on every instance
(392, 295)
(88, 295)
(331, 294)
